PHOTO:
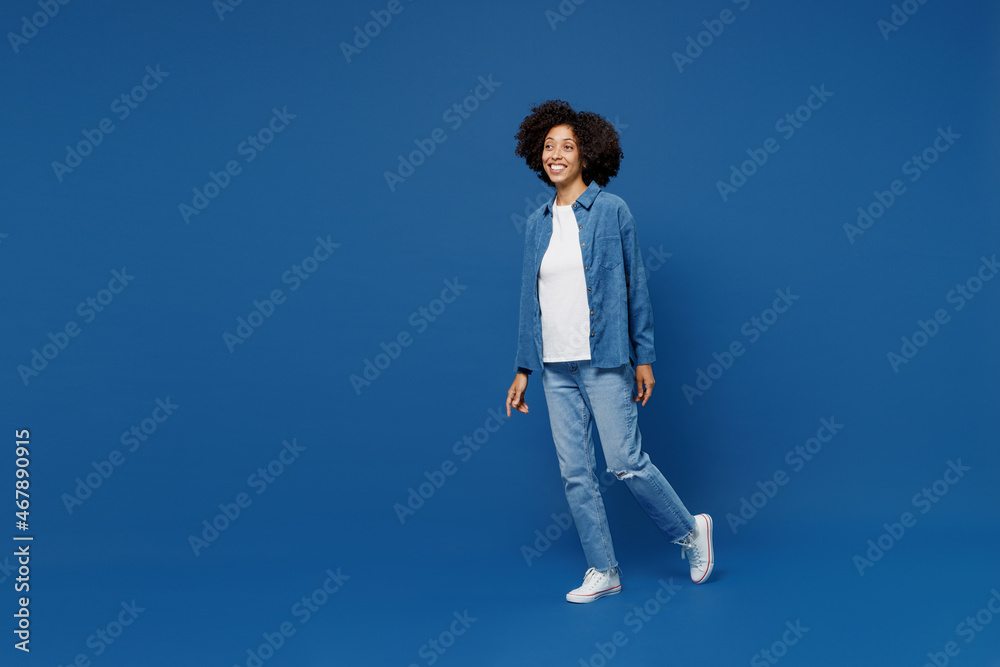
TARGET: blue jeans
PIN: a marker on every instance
(578, 395)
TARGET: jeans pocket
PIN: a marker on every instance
(608, 251)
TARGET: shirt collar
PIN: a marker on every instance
(585, 199)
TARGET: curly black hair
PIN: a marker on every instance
(600, 149)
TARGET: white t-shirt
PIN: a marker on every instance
(562, 292)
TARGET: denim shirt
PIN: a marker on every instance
(621, 317)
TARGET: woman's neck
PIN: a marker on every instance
(567, 194)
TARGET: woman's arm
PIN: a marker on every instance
(640, 311)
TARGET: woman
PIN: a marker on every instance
(586, 324)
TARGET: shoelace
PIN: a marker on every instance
(591, 574)
(689, 550)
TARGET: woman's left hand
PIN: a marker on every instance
(644, 382)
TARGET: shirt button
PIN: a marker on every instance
(591, 312)
(583, 244)
(581, 226)
(575, 205)
(588, 289)
(584, 267)
(591, 335)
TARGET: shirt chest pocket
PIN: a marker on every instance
(608, 251)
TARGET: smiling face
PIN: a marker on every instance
(561, 156)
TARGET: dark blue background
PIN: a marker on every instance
(456, 219)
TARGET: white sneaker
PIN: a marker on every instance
(696, 547)
(596, 584)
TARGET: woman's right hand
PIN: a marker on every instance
(515, 395)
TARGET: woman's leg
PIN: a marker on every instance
(571, 421)
(609, 393)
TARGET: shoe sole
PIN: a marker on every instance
(593, 596)
(711, 553)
